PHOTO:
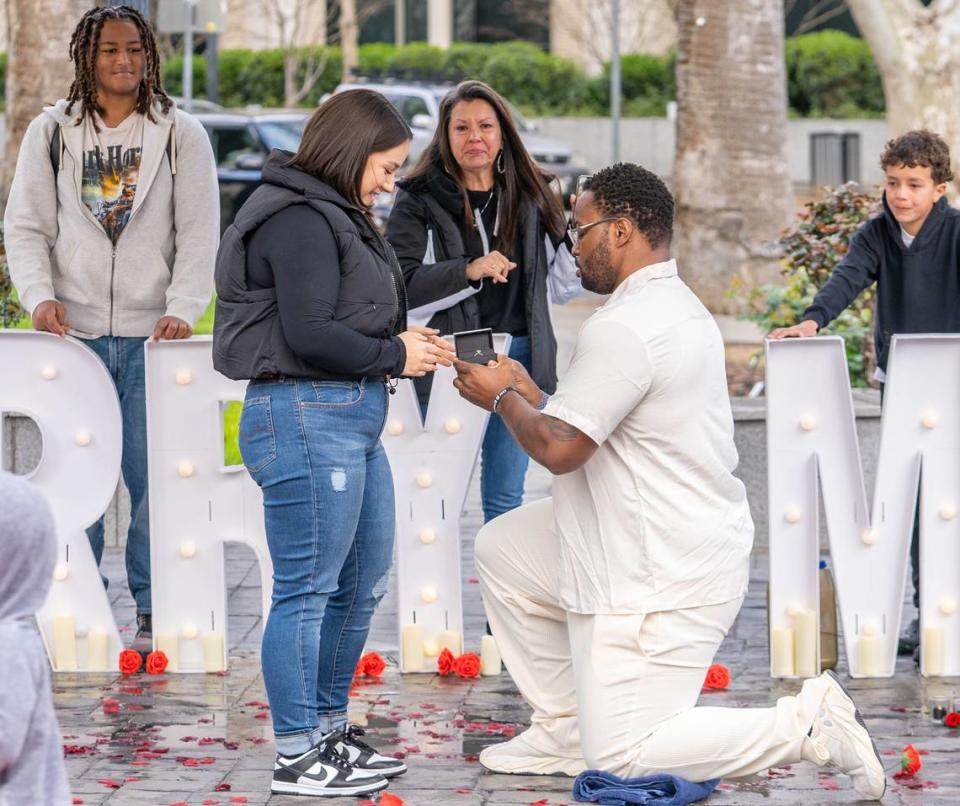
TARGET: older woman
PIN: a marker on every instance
(311, 309)
(481, 239)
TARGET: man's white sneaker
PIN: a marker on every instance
(517, 756)
(839, 739)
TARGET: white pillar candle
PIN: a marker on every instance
(490, 663)
(411, 648)
(805, 646)
(781, 653)
(931, 643)
(431, 648)
(65, 643)
(97, 642)
(169, 645)
(213, 652)
(868, 653)
(450, 639)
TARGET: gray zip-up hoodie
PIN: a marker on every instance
(31, 750)
(162, 264)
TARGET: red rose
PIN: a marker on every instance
(445, 663)
(467, 665)
(910, 762)
(156, 662)
(952, 720)
(373, 664)
(130, 661)
(718, 677)
(358, 671)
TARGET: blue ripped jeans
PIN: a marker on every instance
(314, 449)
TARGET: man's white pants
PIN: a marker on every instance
(619, 691)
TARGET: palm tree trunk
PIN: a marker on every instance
(732, 186)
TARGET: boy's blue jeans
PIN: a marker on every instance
(314, 449)
(123, 357)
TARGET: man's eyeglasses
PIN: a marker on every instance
(576, 233)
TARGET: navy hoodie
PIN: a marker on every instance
(918, 289)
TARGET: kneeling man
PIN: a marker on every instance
(610, 600)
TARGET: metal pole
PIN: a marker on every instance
(615, 82)
(188, 56)
(400, 23)
(212, 53)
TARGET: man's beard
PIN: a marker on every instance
(597, 273)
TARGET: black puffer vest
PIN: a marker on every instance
(248, 341)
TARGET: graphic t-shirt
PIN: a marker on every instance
(111, 167)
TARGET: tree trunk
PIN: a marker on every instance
(917, 50)
(349, 38)
(731, 182)
(38, 69)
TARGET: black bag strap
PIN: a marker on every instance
(55, 149)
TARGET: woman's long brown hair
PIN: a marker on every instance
(520, 178)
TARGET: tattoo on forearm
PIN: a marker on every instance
(559, 430)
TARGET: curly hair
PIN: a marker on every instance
(83, 52)
(920, 147)
(633, 192)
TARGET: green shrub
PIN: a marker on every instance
(648, 82)
(829, 73)
(811, 252)
(417, 61)
(11, 314)
(249, 77)
(832, 74)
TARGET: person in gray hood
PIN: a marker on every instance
(111, 232)
(31, 750)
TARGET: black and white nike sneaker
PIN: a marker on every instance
(323, 773)
(347, 742)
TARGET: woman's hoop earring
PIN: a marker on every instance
(500, 162)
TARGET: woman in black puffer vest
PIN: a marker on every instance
(311, 309)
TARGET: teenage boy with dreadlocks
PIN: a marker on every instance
(111, 231)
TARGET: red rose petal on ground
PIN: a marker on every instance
(222, 787)
(110, 783)
(261, 715)
(210, 802)
(76, 801)
(238, 799)
(389, 799)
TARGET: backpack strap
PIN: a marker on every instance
(56, 150)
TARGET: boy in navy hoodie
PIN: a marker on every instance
(912, 253)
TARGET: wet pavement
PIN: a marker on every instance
(206, 739)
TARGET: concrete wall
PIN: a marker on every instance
(651, 142)
(21, 447)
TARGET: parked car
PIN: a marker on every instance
(420, 106)
(241, 143)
